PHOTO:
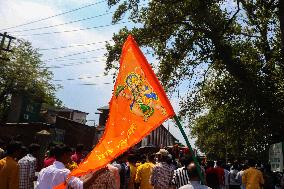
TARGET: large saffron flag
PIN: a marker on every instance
(138, 106)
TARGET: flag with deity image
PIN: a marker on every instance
(138, 106)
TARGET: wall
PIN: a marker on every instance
(79, 117)
(15, 109)
(26, 132)
(160, 137)
(23, 109)
(76, 132)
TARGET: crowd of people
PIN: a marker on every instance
(21, 168)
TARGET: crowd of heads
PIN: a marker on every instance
(178, 163)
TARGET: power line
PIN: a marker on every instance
(86, 84)
(72, 64)
(79, 78)
(68, 31)
(60, 14)
(70, 46)
(66, 23)
(83, 58)
(50, 59)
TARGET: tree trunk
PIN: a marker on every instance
(281, 19)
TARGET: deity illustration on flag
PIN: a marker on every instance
(143, 99)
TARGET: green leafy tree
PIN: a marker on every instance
(24, 74)
(240, 46)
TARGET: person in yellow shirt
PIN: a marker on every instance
(144, 172)
(252, 178)
(132, 166)
(71, 165)
(9, 168)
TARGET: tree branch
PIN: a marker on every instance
(232, 18)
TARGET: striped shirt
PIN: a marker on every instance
(180, 177)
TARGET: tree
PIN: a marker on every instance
(24, 74)
(239, 45)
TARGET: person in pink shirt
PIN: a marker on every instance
(50, 159)
(78, 155)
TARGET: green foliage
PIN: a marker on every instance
(236, 104)
(25, 74)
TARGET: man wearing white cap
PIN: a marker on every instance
(162, 172)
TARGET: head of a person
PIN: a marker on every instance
(236, 165)
(2, 144)
(51, 145)
(219, 163)
(251, 163)
(51, 152)
(24, 151)
(132, 158)
(143, 158)
(34, 149)
(187, 160)
(14, 149)
(79, 148)
(170, 159)
(163, 155)
(192, 172)
(267, 168)
(210, 163)
(62, 153)
(152, 158)
(122, 158)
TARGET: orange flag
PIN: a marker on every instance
(138, 106)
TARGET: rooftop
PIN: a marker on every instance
(65, 109)
(104, 108)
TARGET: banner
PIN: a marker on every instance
(138, 106)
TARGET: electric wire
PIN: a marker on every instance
(71, 46)
(73, 64)
(53, 16)
(66, 23)
(68, 31)
(57, 81)
(51, 59)
(83, 58)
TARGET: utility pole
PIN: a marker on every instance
(5, 46)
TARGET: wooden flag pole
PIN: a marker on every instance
(190, 149)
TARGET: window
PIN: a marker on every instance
(30, 108)
(26, 116)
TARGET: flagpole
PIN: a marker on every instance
(190, 149)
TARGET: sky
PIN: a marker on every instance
(80, 69)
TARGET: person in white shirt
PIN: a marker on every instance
(56, 173)
(194, 181)
(234, 181)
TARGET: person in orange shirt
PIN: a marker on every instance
(252, 178)
(9, 168)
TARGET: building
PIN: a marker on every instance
(160, 137)
(50, 114)
(72, 132)
(24, 109)
(27, 110)
(103, 116)
(276, 156)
